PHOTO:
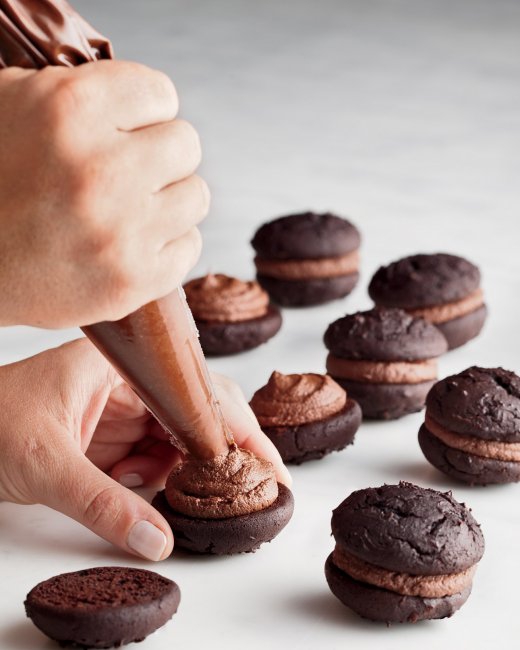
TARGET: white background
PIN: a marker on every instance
(403, 115)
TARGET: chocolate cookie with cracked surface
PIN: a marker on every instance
(472, 426)
(307, 259)
(306, 415)
(403, 553)
(102, 607)
(385, 359)
(231, 315)
(444, 289)
(225, 505)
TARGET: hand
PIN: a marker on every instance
(98, 201)
(72, 432)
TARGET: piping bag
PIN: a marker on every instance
(155, 349)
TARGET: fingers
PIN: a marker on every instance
(149, 468)
(176, 260)
(78, 489)
(171, 152)
(179, 207)
(245, 427)
(132, 95)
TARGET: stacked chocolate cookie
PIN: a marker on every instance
(386, 359)
(403, 553)
(307, 259)
(443, 289)
(471, 430)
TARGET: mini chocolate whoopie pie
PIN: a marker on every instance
(225, 505)
(444, 289)
(403, 553)
(472, 426)
(231, 315)
(385, 359)
(307, 259)
(102, 607)
(306, 416)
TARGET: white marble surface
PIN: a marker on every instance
(405, 115)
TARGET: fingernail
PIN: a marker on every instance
(147, 540)
(131, 480)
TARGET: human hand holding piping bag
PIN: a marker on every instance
(99, 210)
(99, 201)
(72, 434)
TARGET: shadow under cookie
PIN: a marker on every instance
(242, 534)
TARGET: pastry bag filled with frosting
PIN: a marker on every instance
(156, 348)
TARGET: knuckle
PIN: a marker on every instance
(82, 194)
(192, 250)
(100, 243)
(203, 195)
(196, 241)
(121, 275)
(191, 136)
(66, 95)
(165, 86)
(103, 508)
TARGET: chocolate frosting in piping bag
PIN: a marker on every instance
(37, 33)
(156, 349)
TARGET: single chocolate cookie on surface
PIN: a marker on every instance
(231, 315)
(307, 259)
(385, 359)
(102, 607)
(443, 289)
(472, 426)
(306, 416)
(403, 553)
(225, 505)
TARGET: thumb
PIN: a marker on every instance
(80, 490)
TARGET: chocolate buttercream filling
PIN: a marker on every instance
(406, 584)
(221, 298)
(229, 485)
(448, 311)
(507, 451)
(289, 400)
(382, 372)
(311, 269)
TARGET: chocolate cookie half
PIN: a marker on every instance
(307, 259)
(385, 359)
(472, 426)
(102, 607)
(231, 535)
(224, 505)
(231, 315)
(444, 289)
(306, 415)
(403, 553)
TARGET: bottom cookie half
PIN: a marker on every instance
(232, 535)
